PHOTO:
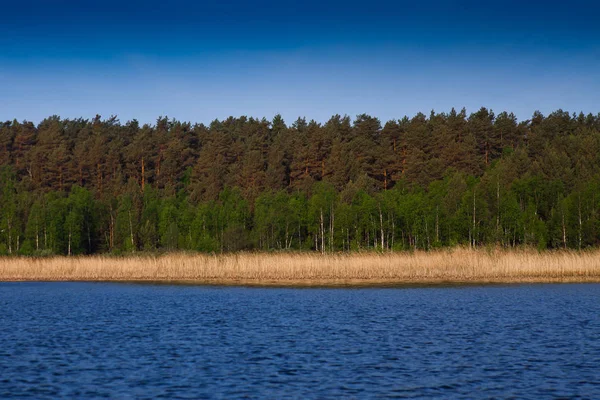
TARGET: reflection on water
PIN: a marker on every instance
(82, 340)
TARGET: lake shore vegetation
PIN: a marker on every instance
(449, 266)
(426, 182)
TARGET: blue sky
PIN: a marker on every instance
(197, 61)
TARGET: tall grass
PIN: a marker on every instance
(456, 265)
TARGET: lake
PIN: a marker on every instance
(89, 340)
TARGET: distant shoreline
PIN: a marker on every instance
(356, 284)
(442, 267)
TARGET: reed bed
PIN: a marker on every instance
(309, 269)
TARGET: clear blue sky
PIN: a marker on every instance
(197, 61)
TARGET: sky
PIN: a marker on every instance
(199, 61)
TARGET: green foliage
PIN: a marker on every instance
(9, 229)
(83, 187)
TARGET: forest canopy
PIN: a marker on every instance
(79, 186)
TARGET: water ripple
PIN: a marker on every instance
(92, 340)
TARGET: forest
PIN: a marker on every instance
(86, 186)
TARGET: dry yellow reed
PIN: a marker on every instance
(455, 265)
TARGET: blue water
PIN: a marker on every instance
(89, 340)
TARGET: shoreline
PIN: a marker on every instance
(457, 266)
(358, 284)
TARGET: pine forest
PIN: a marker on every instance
(80, 186)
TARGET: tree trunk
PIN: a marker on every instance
(385, 179)
(89, 237)
(69, 247)
(331, 227)
(580, 223)
(427, 234)
(9, 224)
(393, 234)
(381, 229)
(37, 236)
(111, 229)
(322, 233)
(474, 220)
(497, 207)
(131, 232)
(437, 224)
(564, 230)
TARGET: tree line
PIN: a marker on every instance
(80, 186)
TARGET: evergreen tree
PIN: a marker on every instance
(77, 186)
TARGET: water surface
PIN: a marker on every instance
(81, 340)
